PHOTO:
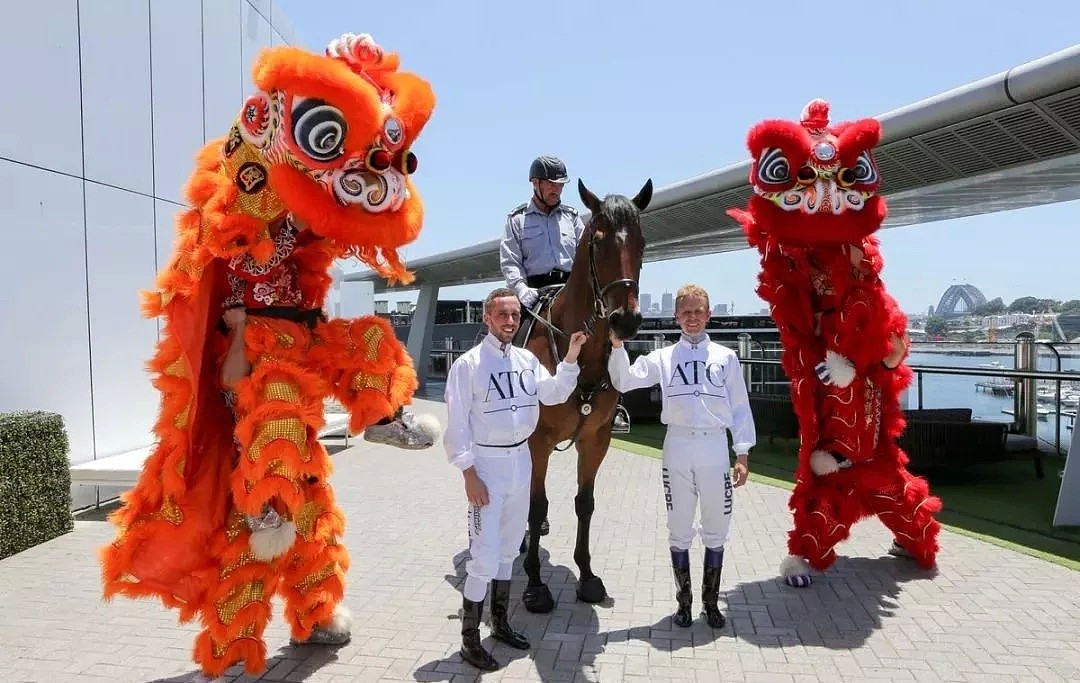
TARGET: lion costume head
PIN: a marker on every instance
(329, 139)
(813, 183)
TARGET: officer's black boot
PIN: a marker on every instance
(471, 649)
(710, 586)
(680, 565)
(500, 626)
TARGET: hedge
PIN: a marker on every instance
(35, 483)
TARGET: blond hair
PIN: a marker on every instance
(689, 290)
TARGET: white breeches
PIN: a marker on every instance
(496, 529)
(697, 467)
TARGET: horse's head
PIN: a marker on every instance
(613, 247)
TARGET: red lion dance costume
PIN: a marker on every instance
(812, 218)
(234, 504)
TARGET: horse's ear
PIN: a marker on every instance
(591, 202)
(641, 201)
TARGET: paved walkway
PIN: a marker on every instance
(988, 615)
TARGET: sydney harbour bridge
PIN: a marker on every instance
(959, 300)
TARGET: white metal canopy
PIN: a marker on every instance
(1008, 141)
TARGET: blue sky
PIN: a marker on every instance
(626, 90)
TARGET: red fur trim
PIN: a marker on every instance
(791, 138)
(857, 137)
(824, 297)
(790, 228)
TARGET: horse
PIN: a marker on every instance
(600, 296)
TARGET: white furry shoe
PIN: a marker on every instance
(796, 571)
(337, 632)
(200, 677)
(411, 432)
(271, 536)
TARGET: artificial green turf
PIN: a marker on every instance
(1002, 503)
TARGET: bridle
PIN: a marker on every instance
(599, 292)
(586, 393)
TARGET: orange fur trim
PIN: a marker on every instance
(308, 605)
(297, 71)
(251, 651)
(356, 230)
(173, 540)
(365, 352)
(414, 101)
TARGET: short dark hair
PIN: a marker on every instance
(497, 293)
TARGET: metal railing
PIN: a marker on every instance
(764, 373)
(1025, 377)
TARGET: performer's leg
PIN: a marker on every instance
(904, 505)
(717, 504)
(515, 516)
(313, 581)
(680, 498)
(824, 510)
(237, 609)
(279, 410)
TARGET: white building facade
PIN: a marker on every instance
(107, 104)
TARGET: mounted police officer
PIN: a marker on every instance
(541, 235)
(539, 242)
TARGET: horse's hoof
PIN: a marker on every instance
(538, 599)
(592, 590)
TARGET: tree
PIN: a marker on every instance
(1025, 304)
(935, 326)
(992, 307)
(1070, 307)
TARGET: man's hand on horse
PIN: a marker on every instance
(577, 340)
(529, 296)
(475, 490)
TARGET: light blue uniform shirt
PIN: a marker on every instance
(535, 243)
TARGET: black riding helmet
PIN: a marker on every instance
(548, 168)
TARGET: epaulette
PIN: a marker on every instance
(519, 209)
(568, 209)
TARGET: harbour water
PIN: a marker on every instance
(959, 391)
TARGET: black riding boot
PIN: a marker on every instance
(500, 626)
(710, 587)
(680, 565)
(471, 649)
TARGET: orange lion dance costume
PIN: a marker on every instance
(812, 218)
(234, 504)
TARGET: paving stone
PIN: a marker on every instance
(987, 613)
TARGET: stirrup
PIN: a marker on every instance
(621, 423)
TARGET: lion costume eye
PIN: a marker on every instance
(864, 169)
(319, 129)
(862, 172)
(773, 167)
